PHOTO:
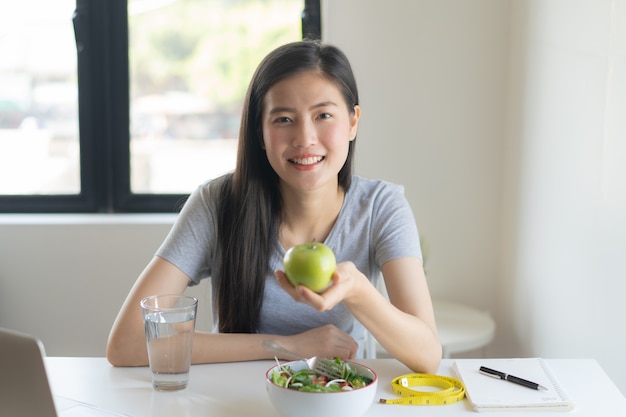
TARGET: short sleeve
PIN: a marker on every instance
(394, 231)
(190, 244)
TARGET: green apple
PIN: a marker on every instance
(310, 264)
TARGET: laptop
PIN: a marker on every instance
(24, 387)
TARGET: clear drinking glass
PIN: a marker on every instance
(169, 322)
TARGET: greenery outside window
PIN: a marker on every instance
(127, 105)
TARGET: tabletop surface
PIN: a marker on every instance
(238, 389)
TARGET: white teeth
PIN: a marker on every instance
(307, 161)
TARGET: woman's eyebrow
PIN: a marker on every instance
(281, 109)
(328, 103)
(286, 109)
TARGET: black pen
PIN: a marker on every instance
(514, 379)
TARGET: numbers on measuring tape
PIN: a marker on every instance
(450, 390)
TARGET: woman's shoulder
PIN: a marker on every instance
(367, 187)
(375, 196)
(207, 193)
(214, 187)
(216, 183)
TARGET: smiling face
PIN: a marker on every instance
(307, 128)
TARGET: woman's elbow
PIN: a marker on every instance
(126, 354)
(116, 356)
(428, 361)
(432, 365)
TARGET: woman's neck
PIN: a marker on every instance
(309, 216)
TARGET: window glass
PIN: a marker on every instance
(190, 64)
(39, 150)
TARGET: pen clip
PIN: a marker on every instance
(492, 372)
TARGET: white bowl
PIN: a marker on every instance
(291, 403)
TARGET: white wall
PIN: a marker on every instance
(64, 277)
(500, 118)
(504, 120)
(564, 278)
(431, 78)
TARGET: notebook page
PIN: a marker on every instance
(492, 394)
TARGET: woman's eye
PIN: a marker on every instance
(325, 116)
(281, 120)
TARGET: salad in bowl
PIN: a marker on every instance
(295, 390)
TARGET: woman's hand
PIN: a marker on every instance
(326, 341)
(404, 324)
(345, 283)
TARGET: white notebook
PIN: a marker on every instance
(486, 393)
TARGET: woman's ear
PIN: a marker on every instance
(354, 121)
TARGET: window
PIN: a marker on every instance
(38, 100)
(127, 105)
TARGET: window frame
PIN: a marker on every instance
(101, 31)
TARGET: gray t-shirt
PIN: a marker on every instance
(375, 225)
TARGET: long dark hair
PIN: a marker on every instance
(250, 207)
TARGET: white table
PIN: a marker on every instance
(237, 389)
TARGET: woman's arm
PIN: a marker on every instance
(127, 344)
(404, 325)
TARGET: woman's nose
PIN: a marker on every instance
(305, 135)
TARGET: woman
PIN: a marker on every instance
(293, 183)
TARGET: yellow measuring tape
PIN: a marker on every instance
(450, 390)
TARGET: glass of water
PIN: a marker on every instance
(169, 322)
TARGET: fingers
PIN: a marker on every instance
(284, 283)
(343, 345)
(351, 348)
(320, 301)
(326, 341)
